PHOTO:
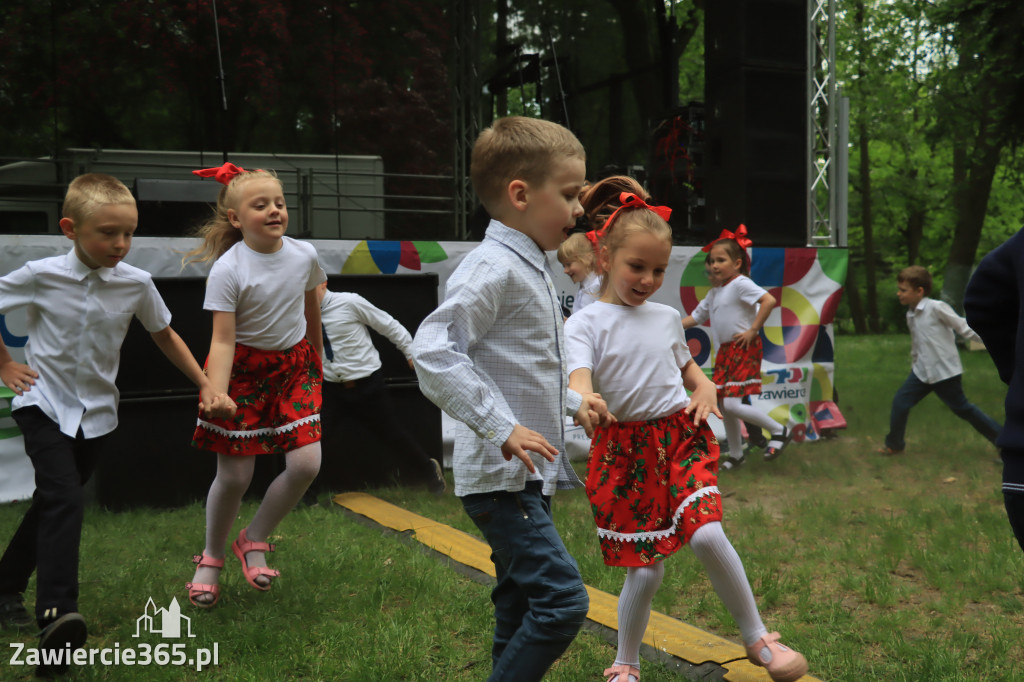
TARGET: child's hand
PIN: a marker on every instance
(744, 339)
(18, 377)
(217, 405)
(593, 412)
(703, 401)
(522, 439)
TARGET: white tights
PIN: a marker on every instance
(729, 580)
(234, 474)
(734, 412)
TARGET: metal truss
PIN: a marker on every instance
(826, 161)
(466, 107)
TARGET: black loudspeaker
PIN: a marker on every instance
(756, 117)
(148, 459)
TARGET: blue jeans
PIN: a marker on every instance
(540, 602)
(951, 392)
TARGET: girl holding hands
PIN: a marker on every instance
(737, 308)
(265, 353)
(652, 476)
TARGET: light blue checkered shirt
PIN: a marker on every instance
(492, 355)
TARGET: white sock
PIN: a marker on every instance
(301, 467)
(734, 407)
(732, 434)
(725, 570)
(234, 474)
(638, 590)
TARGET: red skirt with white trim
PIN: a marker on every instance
(738, 370)
(651, 485)
(278, 397)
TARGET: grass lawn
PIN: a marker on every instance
(876, 568)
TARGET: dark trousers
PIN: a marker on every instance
(951, 392)
(367, 401)
(1013, 490)
(540, 601)
(48, 538)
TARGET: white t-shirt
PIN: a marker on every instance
(265, 291)
(731, 307)
(589, 291)
(634, 353)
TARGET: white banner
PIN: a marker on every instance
(798, 367)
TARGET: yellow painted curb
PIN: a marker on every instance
(666, 634)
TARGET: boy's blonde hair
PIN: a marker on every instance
(916, 276)
(89, 192)
(518, 148)
(628, 222)
(218, 233)
(577, 249)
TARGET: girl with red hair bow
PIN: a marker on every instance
(737, 308)
(652, 475)
(265, 353)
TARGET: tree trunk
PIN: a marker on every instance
(853, 299)
(915, 232)
(866, 223)
(972, 188)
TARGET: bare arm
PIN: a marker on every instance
(766, 303)
(688, 322)
(210, 401)
(703, 395)
(594, 410)
(314, 328)
(222, 351)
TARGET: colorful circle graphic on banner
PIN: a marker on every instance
(799, 331)
(384, 257)
(693, 286)
(792, 332)
(698, 340)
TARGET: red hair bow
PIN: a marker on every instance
(223, 174)
(739, 236)
(630, 200)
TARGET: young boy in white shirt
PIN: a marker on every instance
(492, 355)
(935, 361)
(79, 308)
(353, 378)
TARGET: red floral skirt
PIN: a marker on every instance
(651, 485)
(738, 370)
(278, 398)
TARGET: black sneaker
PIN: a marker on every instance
(755, 436)
(13, 614)
(58, 641)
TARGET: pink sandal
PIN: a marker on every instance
(243, 545)
(616, 672)
(783, 664)
(199, 589)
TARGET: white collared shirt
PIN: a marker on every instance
(933, 352)
(345, 317)
(492, 355)
(77, 321)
